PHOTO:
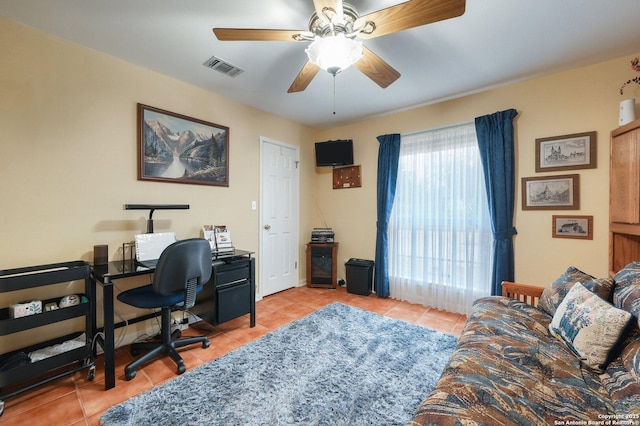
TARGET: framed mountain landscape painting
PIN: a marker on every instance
(180, 149)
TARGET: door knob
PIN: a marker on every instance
(267, 227)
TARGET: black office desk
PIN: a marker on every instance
(104, 275)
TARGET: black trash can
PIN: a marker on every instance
(359, 276)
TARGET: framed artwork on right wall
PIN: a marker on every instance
(580, 227)
(568, 152)
(560, 192)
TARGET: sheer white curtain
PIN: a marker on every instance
(440, 233)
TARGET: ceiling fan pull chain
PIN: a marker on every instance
(334, 94)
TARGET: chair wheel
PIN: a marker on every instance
(206, 344)
(130, 374)
(92, 373)
(181, 368)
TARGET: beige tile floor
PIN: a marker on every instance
(73, 400)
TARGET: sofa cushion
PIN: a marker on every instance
(553, 295)
(589, 325)
(631, 358)
(627, 291)
(623, 390)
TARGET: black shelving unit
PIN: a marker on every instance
(28, 376)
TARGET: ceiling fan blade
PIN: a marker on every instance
(410, 14)
(376, 69)
(304, 77)
(336, 5)
(242, 34)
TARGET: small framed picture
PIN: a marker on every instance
(551, 192)
(568, 152)
(580, 227)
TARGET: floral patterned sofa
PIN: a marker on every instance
(572, 360)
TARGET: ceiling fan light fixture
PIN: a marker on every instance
(334, 53)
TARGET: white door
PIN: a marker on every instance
(279, 199)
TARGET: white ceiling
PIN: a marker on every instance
(494, 43)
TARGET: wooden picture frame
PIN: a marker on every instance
(568, 152)
(561, 192)
(579, 227)
(180, 149)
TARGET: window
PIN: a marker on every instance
(440, 239)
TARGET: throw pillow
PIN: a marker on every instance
(589, 326)
(552, 296)
(627, 292)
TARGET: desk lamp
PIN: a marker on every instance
(154, 207)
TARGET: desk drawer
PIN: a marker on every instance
(233, 301)
(225, 274)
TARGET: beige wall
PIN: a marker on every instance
(576, 101)
(68, 163)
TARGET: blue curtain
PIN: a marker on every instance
(388, 155)
(495, 140)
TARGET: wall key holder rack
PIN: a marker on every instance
(347, 177)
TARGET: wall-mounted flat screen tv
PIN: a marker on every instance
(334, 153)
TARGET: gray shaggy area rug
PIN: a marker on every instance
(337, 366)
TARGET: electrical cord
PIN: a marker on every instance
(123, 333)
(185, 315)
(118, 341)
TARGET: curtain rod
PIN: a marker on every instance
(448, 126)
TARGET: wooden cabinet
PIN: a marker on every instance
(322, 267)
(624, 196)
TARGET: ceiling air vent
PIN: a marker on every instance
(222, 66)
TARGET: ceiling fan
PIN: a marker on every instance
(336, 26)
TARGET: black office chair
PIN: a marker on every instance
(182, 269)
